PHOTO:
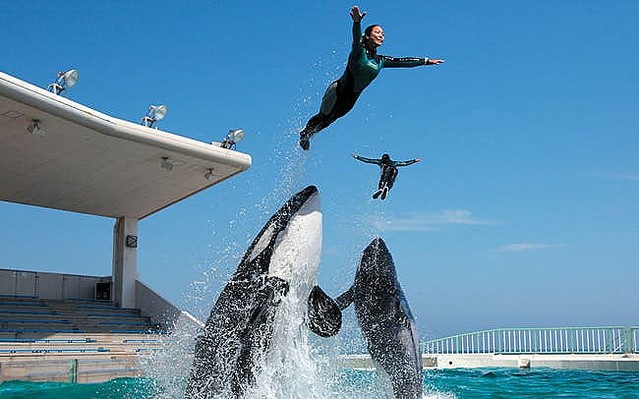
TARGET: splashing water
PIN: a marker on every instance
(291, 368)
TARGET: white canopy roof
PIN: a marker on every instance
(84, 161)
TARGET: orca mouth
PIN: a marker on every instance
(279, 222)
(298, 200)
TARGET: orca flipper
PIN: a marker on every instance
(324, 316)
(343, 301)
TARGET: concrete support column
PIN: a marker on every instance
(125, 243)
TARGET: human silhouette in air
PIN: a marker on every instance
(388, 172)
(364, 64)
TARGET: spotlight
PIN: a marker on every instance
(209, 174)
(165, 163)
(234, 137)
(65, 80)
(36, 128)
(154, 114)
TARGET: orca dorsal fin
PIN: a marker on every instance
(343, 301)
(324, 316)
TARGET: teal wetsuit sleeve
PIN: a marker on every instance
(367, 160)
(405, 163)
(403, 62)
(357, 49)
(357, 34)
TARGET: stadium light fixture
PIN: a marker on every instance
(153, 115)
(209, 174)
(234, 137)
(36, 128)
(166, 164)
(66, 80)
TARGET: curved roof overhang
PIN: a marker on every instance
(81, 160)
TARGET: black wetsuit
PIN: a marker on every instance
(388, 172)
(362, 68)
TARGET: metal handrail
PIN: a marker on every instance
(556, 340)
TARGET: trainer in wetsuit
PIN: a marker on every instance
(388, 172)
(364, 64)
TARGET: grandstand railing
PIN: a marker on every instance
(563, 340)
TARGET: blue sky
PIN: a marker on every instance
(524, 211)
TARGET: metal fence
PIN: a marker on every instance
(563, 340)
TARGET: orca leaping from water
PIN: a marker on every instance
(386, 321)
(282, 260)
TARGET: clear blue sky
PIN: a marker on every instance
(525, 211)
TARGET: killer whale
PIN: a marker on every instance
(282, 260)
(386, 321)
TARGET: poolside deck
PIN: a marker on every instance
(580, 348)
(617, 362)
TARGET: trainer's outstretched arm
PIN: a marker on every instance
(364, 159)
(409, 162)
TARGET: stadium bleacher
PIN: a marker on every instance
(72, 340)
